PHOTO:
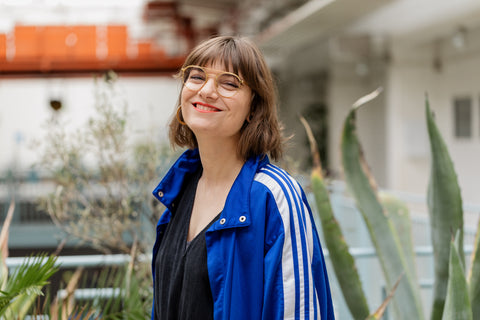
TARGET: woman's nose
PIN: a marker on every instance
(209, 89)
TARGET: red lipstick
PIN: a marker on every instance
(205, 107)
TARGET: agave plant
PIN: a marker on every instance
(384, 215)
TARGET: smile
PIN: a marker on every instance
(203, 107)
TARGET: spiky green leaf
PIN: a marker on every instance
(342, 261)
(457, 303)
(384, 237)
(399, 214)
(445, 211)
(25, 284)
(474, 277)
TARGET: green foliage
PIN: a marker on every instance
(445, 210)
(104, 177)
(474, 277)
(457, 302)
(398, 212)
(382, 233)
(342, 261)
(389, 225)
(20, 290)
(121, 296)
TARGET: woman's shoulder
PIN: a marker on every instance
(278, 182)
(275, 176)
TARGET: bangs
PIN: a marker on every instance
(225, 52)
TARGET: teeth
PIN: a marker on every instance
(204, 108)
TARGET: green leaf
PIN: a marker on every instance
(19, 307)
(474, 277)
(25, 283)
(457, 303)
(129, 302)
(342, 261)
(3, 273)
(398, 212)
(445, 211)
(407, 303)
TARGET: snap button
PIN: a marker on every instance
(160, 194)
(242, 218)
(223, 220)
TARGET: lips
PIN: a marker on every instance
(204, 107)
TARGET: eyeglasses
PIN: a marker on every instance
(226, 83)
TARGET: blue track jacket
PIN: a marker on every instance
(263, 253)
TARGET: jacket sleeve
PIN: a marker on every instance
(295, 278)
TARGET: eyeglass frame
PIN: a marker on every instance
(242, 82)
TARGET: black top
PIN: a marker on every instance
(182, 287)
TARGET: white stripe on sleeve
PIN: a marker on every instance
(298, 246)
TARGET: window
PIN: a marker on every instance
(3, 211)
(30, 213)
(463, 117)
(25, 212)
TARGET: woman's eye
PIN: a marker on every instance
(229, 83)
(197, 77)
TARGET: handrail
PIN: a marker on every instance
(80, 260)
(121, 259)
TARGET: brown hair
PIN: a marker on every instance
(262, 134)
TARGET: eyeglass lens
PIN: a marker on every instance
(195, 78)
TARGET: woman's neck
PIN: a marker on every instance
(220, 161)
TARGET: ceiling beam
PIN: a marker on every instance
(312, 22)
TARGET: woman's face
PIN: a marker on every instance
(209, 113)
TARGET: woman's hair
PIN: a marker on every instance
(262, 134)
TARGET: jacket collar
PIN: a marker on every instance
(236, 211)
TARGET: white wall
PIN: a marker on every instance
(462, 77)
(408, 156)
(24, 110)
(409, 153)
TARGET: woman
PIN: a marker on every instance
(237, 240)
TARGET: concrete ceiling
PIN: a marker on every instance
(351, 30)
(419, 20)
(313, 22)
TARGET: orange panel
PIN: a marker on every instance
(73, 49)
(144, 49)
(117, 41)
(26, 42)
(54, 45)
(81, 42)
(3, 46)
(158, 53)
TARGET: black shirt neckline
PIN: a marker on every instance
(181, 285)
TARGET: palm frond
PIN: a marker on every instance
(27, 282)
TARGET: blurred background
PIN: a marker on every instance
(325, 54)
